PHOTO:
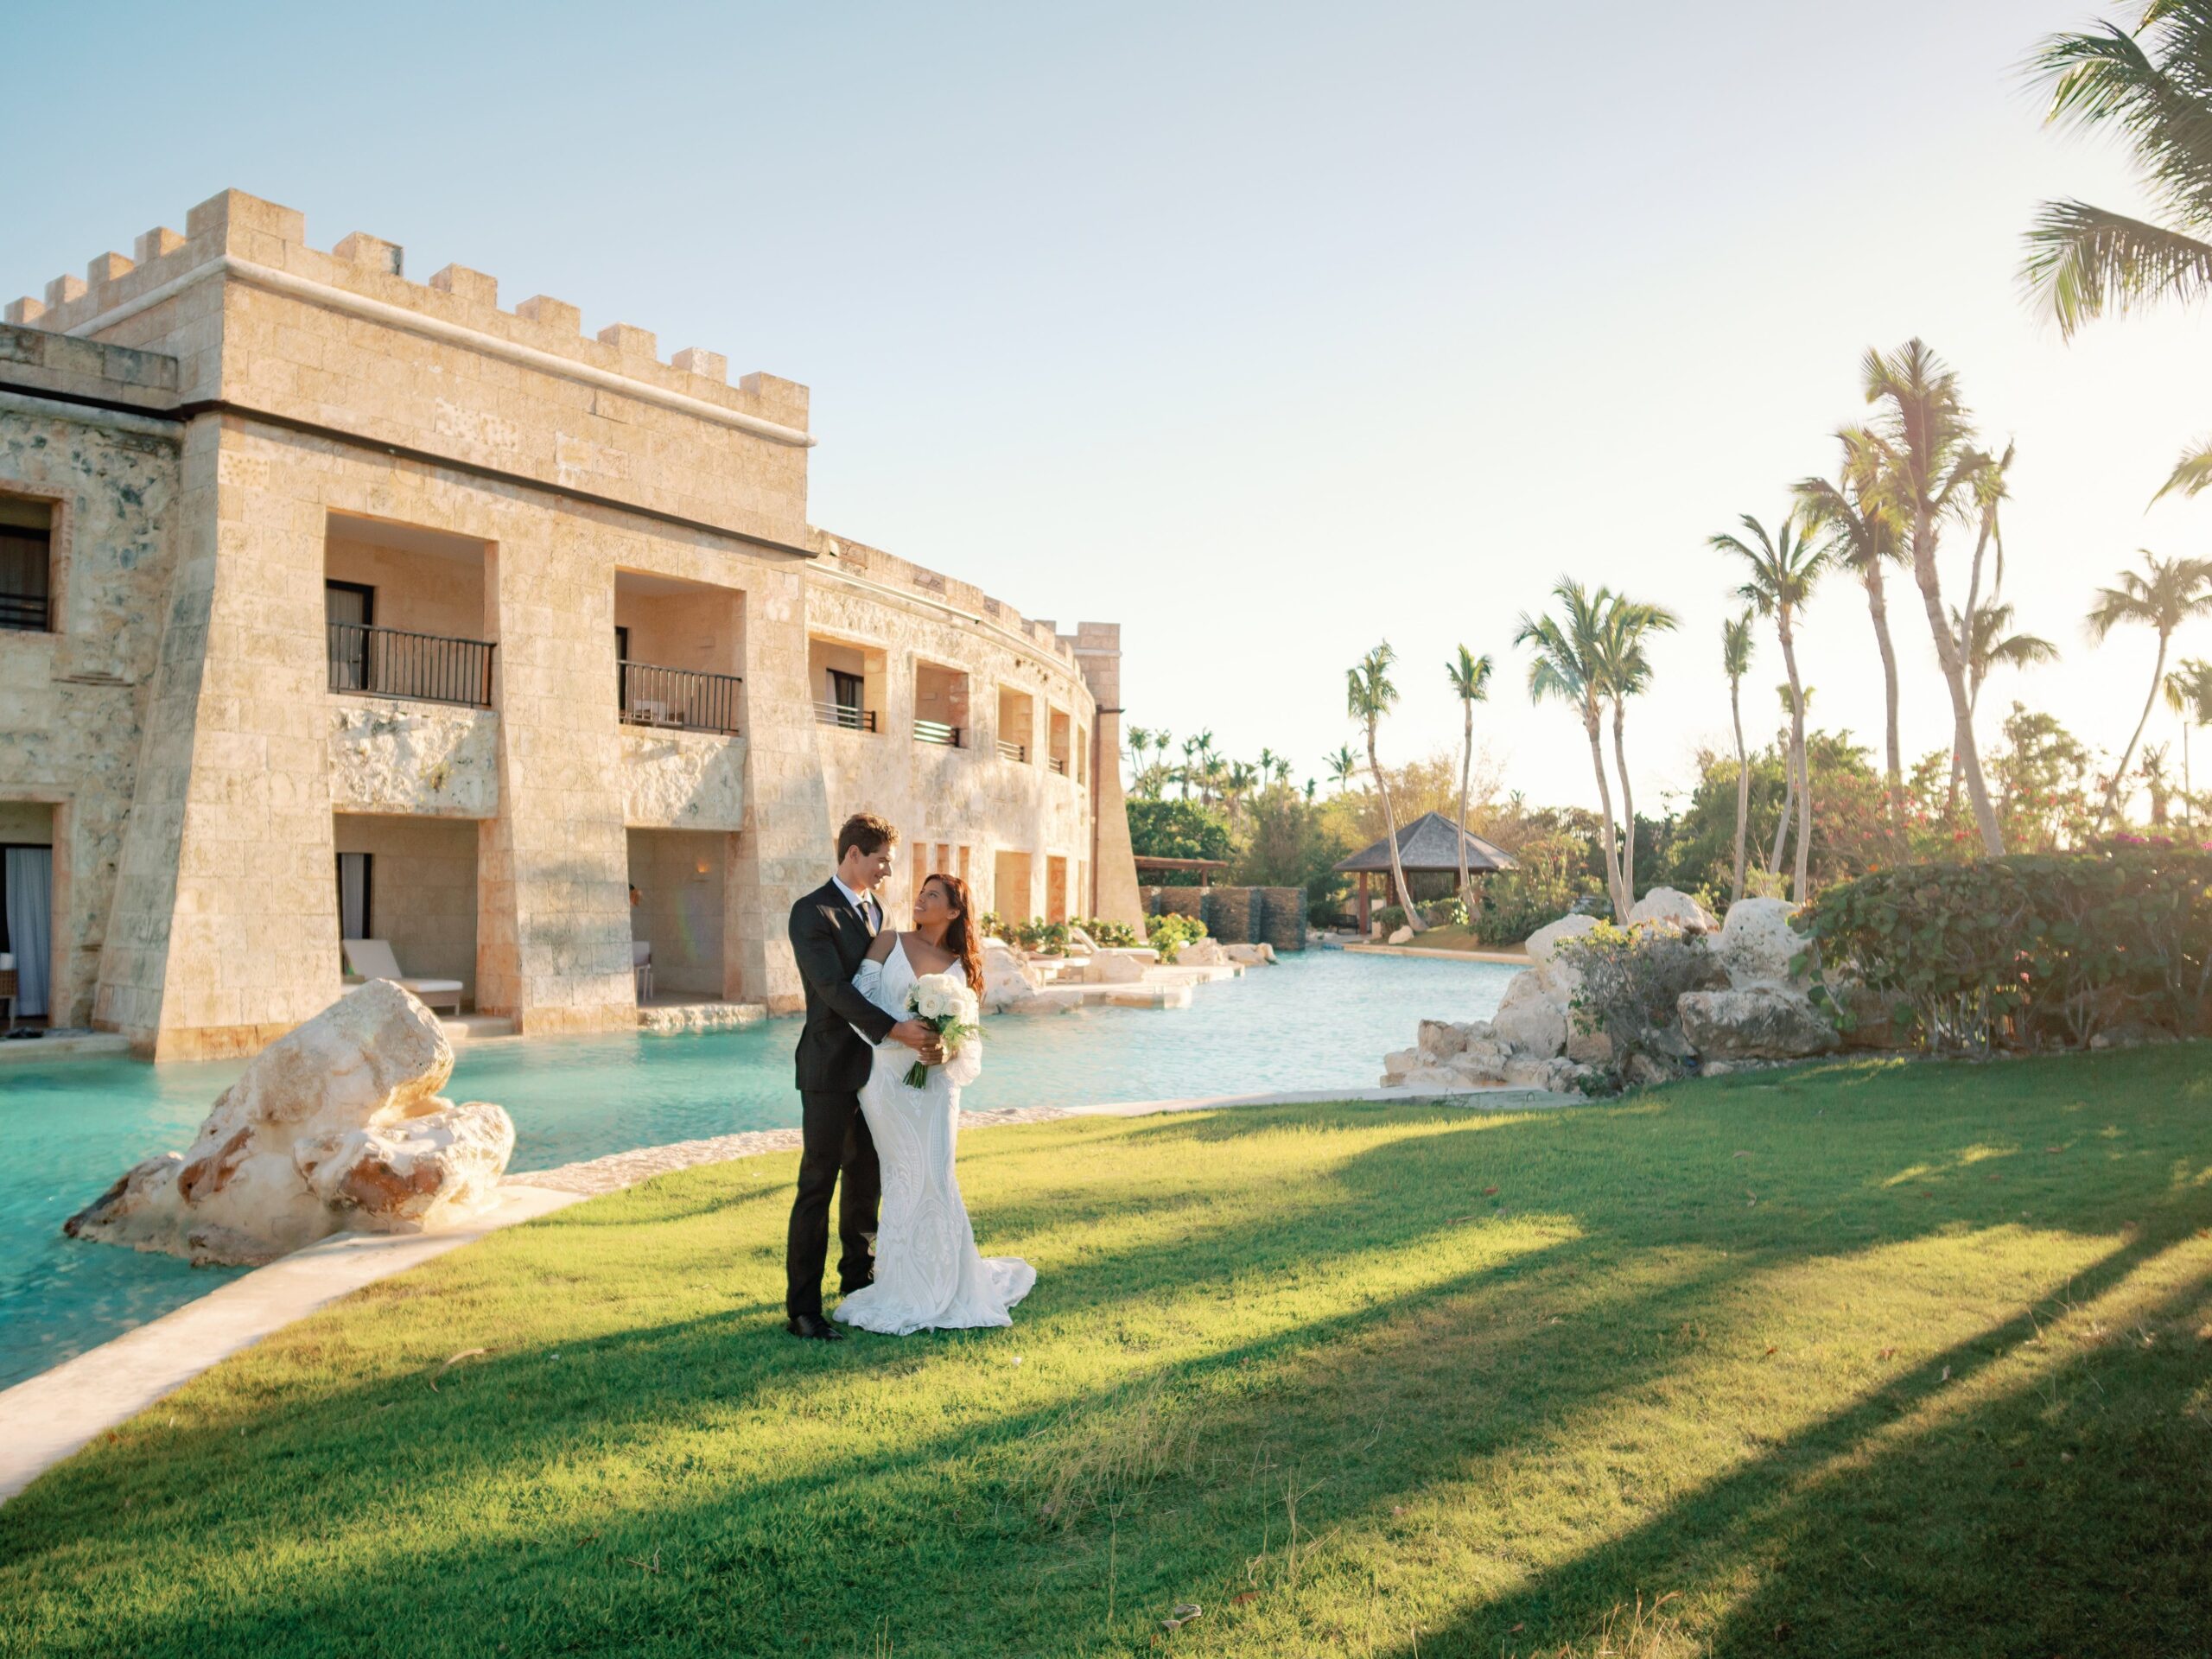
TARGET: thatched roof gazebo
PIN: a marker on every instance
(1426, 847)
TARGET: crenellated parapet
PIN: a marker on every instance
(875, 567)
(252, 237)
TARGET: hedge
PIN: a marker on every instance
(2024, 952)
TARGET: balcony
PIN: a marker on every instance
(844, 716)
(937, 732)
(685, 699)
(416, 667)
(1012, 750)
(1058, 764)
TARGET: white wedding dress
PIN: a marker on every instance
(928, 1275)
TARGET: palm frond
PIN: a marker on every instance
(2191, 473)
(2151, 87)
(2084, 261)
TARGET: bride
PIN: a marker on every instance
(928, 1275)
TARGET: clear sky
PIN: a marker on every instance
(1268, 330)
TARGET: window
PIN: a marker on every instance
(26, 565)
(356, 884)
(621, 660)
(846, 691)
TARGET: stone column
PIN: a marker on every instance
(553, 883)
(225, 934)
(1113, 868)
(787, 846)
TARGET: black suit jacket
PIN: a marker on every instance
(830, 939)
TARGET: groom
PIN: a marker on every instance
(832, 929)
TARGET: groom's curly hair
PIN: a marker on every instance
(866, 832)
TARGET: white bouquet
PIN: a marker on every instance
(943, 1003)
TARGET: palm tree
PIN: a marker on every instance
(2155, 86)
(1988, 647)
(2172, 592)
(1470, 676)
(1928, 469)
(1369, 696)
(2153, 768)
(1342, 764)
(1626, 672)
(1866, 541)
(1242, 779)
(1784, 568)
(1736, 661)
(1139, 741)
(2189, 694)
(1567, 667)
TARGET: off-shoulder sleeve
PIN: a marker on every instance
(966, 1063)
(867, 981)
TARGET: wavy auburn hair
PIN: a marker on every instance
(960, 936)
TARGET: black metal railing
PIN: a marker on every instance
(936, 732)
(845, 716)
(421, 667)
(681, 697)
(1058, 764)
(1012, 750)
(28, 612)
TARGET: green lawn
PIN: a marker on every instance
(1866, 1359)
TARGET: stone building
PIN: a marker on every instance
(336, 604)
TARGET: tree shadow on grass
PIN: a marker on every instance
(758, 1554)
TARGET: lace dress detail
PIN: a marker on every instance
(928, 1273)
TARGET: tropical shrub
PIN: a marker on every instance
(2033, 950)
(1169, 934)
(1553, 874)
(1389, 918)
(1044, 937)
(1445, 912)
(1630, 978)
(1178, 829)
(1114, 935)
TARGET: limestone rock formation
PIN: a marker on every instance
(1530, 1017)
(1757, 942)
(1544, 943)
(1201, 953)
(338, 1126)
(1401, 936)
(1009, 980)
(1673, 907)
(1754, 1022)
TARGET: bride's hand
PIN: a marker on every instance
(922, 1039)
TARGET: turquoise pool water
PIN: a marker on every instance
(1323, 1019)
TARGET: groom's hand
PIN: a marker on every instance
(922, 1039)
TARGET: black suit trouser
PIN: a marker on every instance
(834, 1138)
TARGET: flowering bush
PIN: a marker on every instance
(1169, 934)
(2023, 952)
(1630, 980)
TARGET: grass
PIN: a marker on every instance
(1864, 1359)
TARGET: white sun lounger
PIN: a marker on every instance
(373, 959)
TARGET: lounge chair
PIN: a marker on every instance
(373, 959)
(641, 967)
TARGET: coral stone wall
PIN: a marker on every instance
(968, 797)
(73, 701)
(436, 759)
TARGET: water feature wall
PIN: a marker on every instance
(1274, 916)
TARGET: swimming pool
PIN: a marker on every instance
(1322, 1019)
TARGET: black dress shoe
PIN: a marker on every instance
(814, 1326)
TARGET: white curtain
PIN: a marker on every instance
(29, 883)
(352, 895)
